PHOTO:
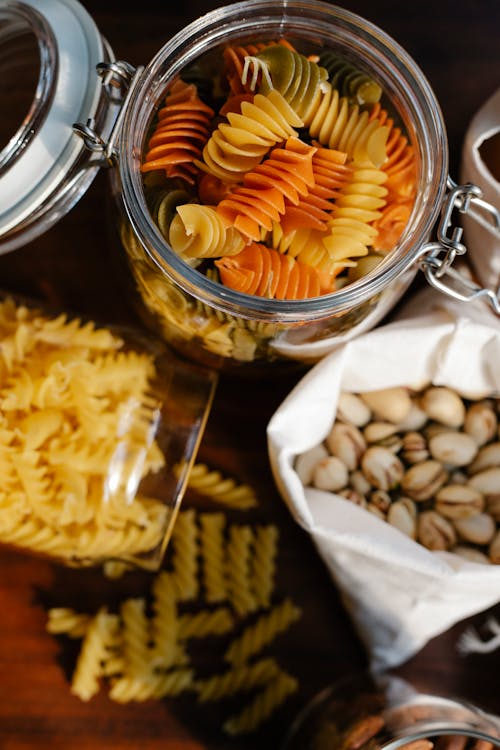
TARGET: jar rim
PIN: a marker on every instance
(400, 72)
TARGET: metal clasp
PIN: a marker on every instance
(437, 257)
(118, 79)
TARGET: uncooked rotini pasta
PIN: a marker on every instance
(100, 634)
(185, 557)
(236, 680)
(212, 549)
(126, 689)
(164, 624)
(298, 144)
(198, 232)
(261, 633)
(263, 705)
(180, 134)
(239, 552)
(136, 637)
(224, 490)
(207, 622)
(66, 620)
(241, 143)
(263, 563)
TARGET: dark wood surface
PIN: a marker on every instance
(456, 44)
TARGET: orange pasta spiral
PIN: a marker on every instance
(261, 199)
(265, 272)
(182, 130)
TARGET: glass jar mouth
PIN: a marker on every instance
(404, 83)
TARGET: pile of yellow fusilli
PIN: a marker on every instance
(218, 582)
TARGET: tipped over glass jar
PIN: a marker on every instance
(385, 712)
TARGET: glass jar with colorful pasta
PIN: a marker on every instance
(281, 167)
(98, 434)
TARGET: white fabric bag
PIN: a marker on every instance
(399, 594)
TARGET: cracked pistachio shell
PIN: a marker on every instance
(458, 501)
(346, 442)
(478, 529)
(414, 447)
(330, 474)
(306, 463)
(354, 497)
(421, 481)
(443, 405)
(359, 482)
(453, 448)
(434, 531)
(381, 467)
(481, 422)
(389, 404)
(351, 408)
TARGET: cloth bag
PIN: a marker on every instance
(481, 166)
(399, 594)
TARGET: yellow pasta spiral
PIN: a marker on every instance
(264, 704)
(240, 144)
(197, 231)
(259, 634)
(244, 677)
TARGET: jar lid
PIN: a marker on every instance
(49, 50)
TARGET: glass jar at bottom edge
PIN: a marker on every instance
(366, 712)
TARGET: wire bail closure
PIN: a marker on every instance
(437, 257)
(118, 79)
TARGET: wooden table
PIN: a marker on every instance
(456, 44)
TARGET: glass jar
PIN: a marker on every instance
(222, 327)
(99, 430)
(374, 712)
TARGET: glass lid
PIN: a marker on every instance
(49, 50)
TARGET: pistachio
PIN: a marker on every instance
(414, 420)
(393, 443)
(377, 431)
(470, 553)
(453, 448)
(421, 481)
(330, 474)
(481, 422)
(458, 501)
(493, 506)
(359, 482)
(414, 448)
(306, 462)
(443, 405)
(389, 404)
(354, 497)
(494, 549)
(402, 514)
(351, 408)
(381, 467)
(381, 499)
(478, 529)
(487, 457)
(347, 443)
(375, 510)
(434, 531)
(486, 481)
